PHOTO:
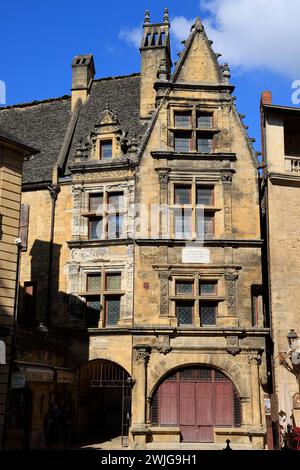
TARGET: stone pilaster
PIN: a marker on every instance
(254, 360)
(164, 292)
(227, 183)
(231, 278)
(142, 355)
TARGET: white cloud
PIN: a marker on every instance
(256, 34)
(132, 36)
(180, 27)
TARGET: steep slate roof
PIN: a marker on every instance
(120, 94)
(9, 138)
(43, 124)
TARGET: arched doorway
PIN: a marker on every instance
(103, 402)
(196, 399)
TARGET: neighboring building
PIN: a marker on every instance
(280, 195)
(144, 252)
(12, 153)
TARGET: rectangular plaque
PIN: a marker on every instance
(195, 255)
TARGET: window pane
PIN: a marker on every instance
(184, 313)
(113, 281)
(204, 120)
(92, 312)
(182, 142)
(96, 202)
(95, 228)
(182, 195)
(183, 223)
(93, 282)
(204, 225)
(204, 145)
(208, 288)
(106, 149)
(208, 314)
(112, 310)
(115, 201)
(115, 226)
(205, 195)
(182, 119)
(184, 287)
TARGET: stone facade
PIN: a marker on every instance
(141, 159)
(280, 190)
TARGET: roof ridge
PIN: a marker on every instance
(136, 74)
(35, 102)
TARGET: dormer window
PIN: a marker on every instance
(204, 120)
(183, 141)
(105, 149)
(183, 119)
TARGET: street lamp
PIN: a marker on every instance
(291, 337)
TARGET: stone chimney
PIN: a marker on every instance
(83, 71)
(266, 97)
(155, 50)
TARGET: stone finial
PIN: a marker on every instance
(198, 26)
(162, 73)
(147, 18)
(226, 73)
(166, 16)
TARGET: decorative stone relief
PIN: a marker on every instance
(233, 346)
(163, 176)
(163, 344)
(164, 292)
(254, 358)
(142, 353)
(230, 278)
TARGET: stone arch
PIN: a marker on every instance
(106, 358)
(224, 364)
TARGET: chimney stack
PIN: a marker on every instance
(266, 97)
(155, 50)
(83, 71)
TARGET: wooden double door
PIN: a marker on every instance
(196, 405)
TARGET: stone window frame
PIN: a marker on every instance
(105, 189)
(111, 136)
(194, 131)
(103, 293)
(196, 297)
(194, 181)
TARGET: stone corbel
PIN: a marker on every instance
(163, 176)
(142, 353)
(233, 346)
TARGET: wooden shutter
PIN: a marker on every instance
(168, 403)
(24, 222)
(223, 403)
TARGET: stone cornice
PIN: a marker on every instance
(220, 242)
(95, 165)
(284, 179)
(98, 243)
(171, 155)
(194, 86)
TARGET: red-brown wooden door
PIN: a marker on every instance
(168, 403)
(205, 412)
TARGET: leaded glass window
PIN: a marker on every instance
(184, 313)
(115, 200)
(93, 282)
(183, 119)
(95, 228)
(182, 142)
(184, 287)
(113, 281)
(92, 312)
(183, 223)
(95, 202)
(204, 120)
(208, 288)
(182, 195)
(112, 310)
(208, 314)
(205, 195)
(204, 144)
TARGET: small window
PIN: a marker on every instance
(204, 120)
(184, 287)
(182, 195)
(184, 313)
(113, 281)
(208, 314)
(115, 201)
(183, 142)
(92, 312)
(208, 288)
(95, 228)
(93, 282)
(204, 224)
(105, 149)
(204, 144)
(183, 223)
(112, 308)
(96, 202)
(154, 39)
(205, 195)
(115, 225)
(183, 119)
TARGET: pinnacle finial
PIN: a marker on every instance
(147, 18)
(166, 16)
(198, 25)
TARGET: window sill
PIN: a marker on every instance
(172, 155)
(95, 243)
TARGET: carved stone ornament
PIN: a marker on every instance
(233, 346)
(164, 292)
(254, 358)
(142, 353)
(230, 278)
(163, 176)
(226, 177)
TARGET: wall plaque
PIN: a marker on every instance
(195, 255)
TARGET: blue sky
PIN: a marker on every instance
(39, 39)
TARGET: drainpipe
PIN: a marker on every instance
(54, 189)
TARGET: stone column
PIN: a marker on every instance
(255, 361)
(142, 354)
